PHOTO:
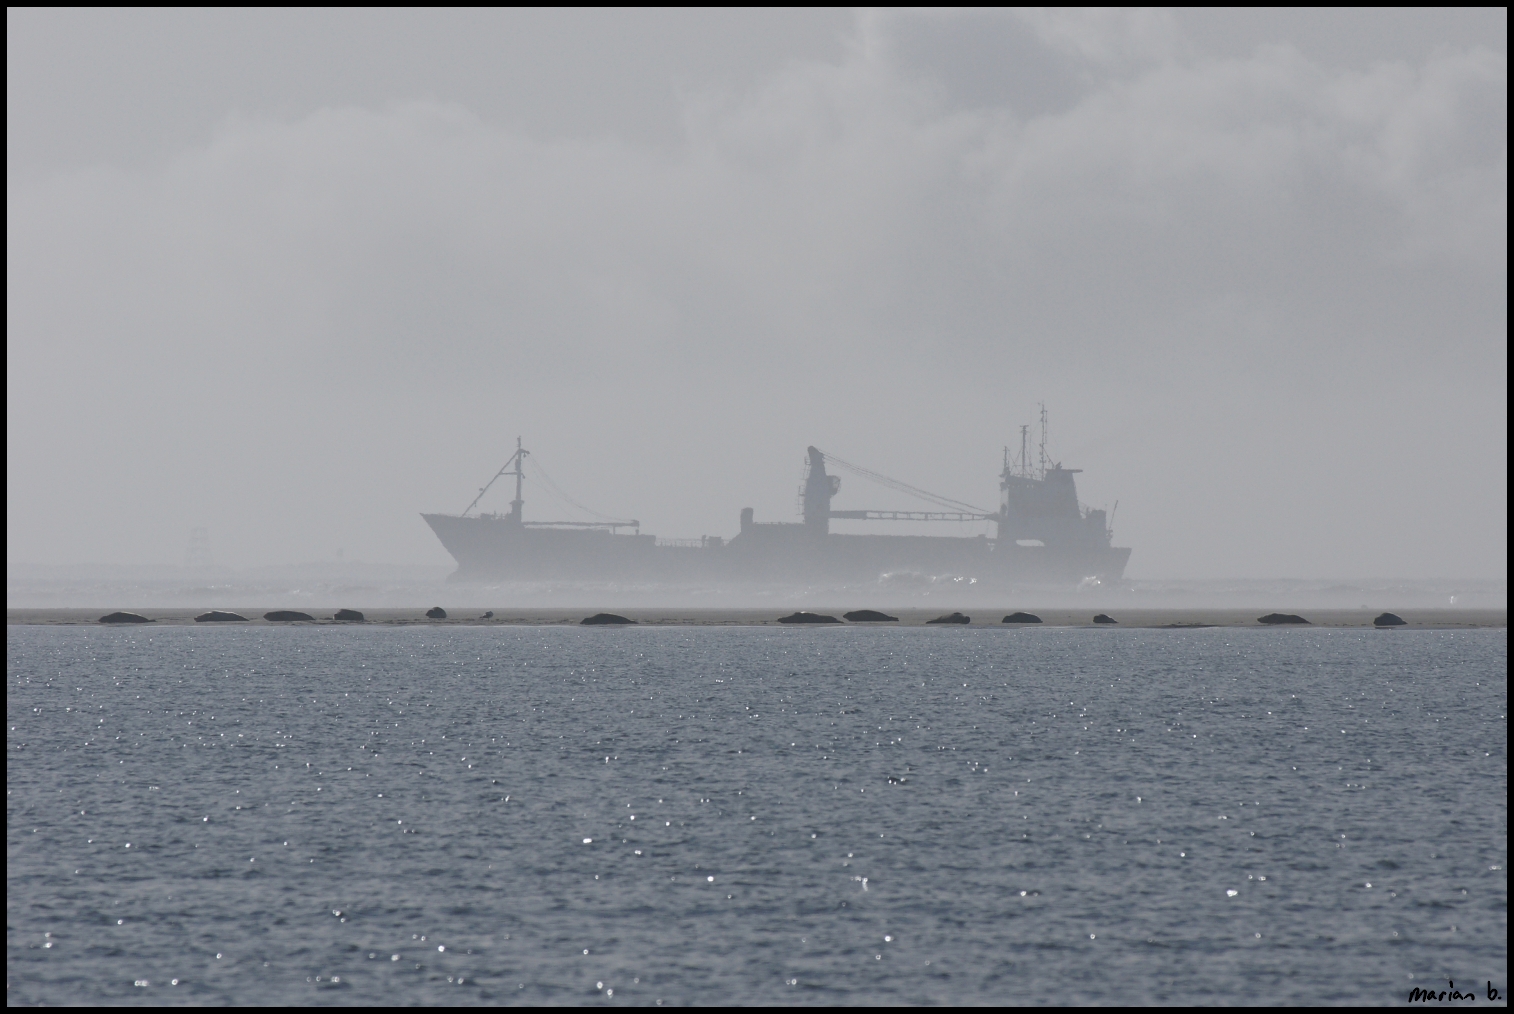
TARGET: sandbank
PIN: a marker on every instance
(1176, 618)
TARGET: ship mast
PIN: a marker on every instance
(516, 467)
(1043, 440)
(517, 459)
(518, 503)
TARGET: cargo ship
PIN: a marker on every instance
(1042, 535)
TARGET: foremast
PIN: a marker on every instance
(511, 467)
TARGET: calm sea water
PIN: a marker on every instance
(753, 815)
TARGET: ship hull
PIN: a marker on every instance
(492, 548)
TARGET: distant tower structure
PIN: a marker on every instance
(197, 554)
(1043, 441)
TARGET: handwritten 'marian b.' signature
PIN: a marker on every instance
(1418, 995)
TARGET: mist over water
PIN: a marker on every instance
(328, 586)
(753, 815)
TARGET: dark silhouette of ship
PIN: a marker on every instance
(1043, 536)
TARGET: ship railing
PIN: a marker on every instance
(704, 542)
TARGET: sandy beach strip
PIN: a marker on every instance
(1193, 618)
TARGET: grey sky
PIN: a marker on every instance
(297, 276)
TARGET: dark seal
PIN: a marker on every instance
(288, 616)
(604, 620)
(1389, 620)
(1104, 618)
(348, 616)
(803, 617)
(119, 617)
(436, 613)
(950, 618)
(1277, 619)
(220, 616)
(1026, 618)
(868, 616)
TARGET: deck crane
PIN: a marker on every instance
(821, 487)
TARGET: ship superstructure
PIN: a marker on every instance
(1039, 503)
(1042, 535)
